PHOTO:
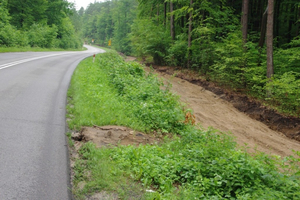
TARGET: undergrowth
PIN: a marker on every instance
(195, 164)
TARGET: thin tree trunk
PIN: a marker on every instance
(290, 23)
(165, 13)
(172, 21)
(298, 29)
(157, 14)
(263, 28)
(244, 20)
(270, 25)
(190, 34)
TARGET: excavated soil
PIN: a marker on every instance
(250, 122)
(113, 136)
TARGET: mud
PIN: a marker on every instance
(106, 136)
(248, 120)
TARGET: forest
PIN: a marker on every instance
(246, 46)
(38, 23)
(226, 41)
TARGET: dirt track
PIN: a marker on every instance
(210, 110)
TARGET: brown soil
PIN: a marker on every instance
(251, 123)
(113, 136)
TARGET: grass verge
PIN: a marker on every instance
(195, 164)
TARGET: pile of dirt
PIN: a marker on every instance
(288, 125)
(113, 136)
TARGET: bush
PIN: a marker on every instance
(285, 91)
(177, 53)
(206, 165)
(42, 36)
(10, 37)
(150, 40)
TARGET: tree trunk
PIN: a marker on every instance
(263, 29)
(165, 13)
(298, 22)
(270, 24)
(172, 21)
(244, 20)
(157, 14)
(190, 34)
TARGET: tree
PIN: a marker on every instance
(4, 16)
(24, 13)
(172, 21)
(190, 33)
(270, 25)
(244, 20)
(263, 29)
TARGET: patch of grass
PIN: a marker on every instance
(35, 49)
(197, 165)
(70, 141)
(111, 91)
(95, 101)
(97, 172)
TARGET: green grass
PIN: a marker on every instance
(34, 49)
(111, 91)
(195, 164)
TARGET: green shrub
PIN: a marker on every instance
(177, 53)
(142, 104)
(206, 165)
(285, 91)
(11, 37)
(150, 40)
(43, 36)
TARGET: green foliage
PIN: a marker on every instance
(207, 166)
(203, 49)
(177, 53)
(228, 69)
(157, 109)
(285, 91)
(98, 172)
(286, 60)
(121, 93)
(42, 36)
(10, 37)
(150, 40)
(25, 13)
(197, 165)
(4, 16)
(42, 24)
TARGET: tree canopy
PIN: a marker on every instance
(38, 23)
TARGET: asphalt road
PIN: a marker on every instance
(34, 162)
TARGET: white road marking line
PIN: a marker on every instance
(29, 59)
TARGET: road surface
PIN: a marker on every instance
(34, 162)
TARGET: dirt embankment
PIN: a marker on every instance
(250, 122)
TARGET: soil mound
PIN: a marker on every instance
(113, 136)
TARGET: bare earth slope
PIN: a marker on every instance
(212, 111)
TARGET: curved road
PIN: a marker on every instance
(34, 161)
